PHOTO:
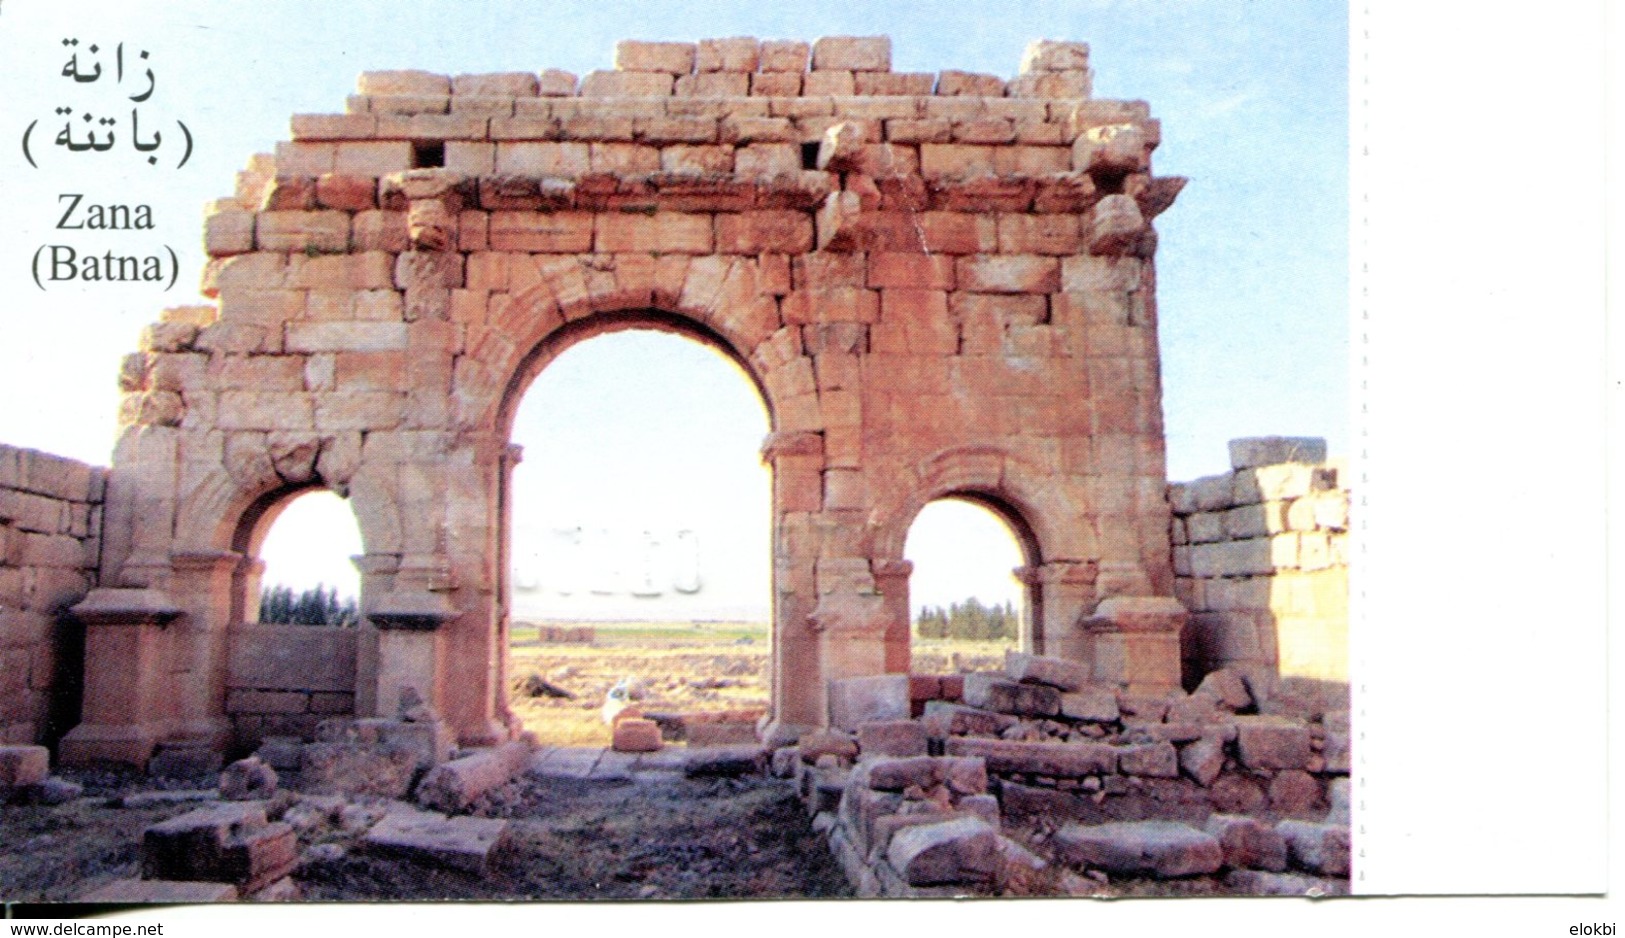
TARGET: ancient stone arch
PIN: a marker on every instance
(940, 283)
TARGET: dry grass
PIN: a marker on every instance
(676, 667)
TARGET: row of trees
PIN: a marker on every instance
(319, 605)
(971, 619)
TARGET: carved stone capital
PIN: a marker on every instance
(122, 606)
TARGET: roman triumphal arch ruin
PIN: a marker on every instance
(942, 284)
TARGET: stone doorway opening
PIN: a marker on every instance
(295, 629)
(967, 602)
(638, 535)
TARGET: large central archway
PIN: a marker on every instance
(639, 514)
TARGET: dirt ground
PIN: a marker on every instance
(672, 839)
(675, 839)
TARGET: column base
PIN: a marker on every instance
(1134, 643)
(89, 743)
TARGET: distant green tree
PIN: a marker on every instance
(319, 605)
(932, 622)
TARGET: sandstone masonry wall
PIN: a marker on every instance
(50, 542)
(1261, 559)
(283, 680)
(941, 284)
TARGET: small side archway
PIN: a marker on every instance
(966, 554)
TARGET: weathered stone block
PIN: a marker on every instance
(1063, 760)
(1269, 743)
(1248, 843)
(892, 738)
(814, 745)
(1040, 669)
(461, 843)
(963, 850)
(724, 760)
(993, 692)
(1318, 848)
(1092, 704)
(858, 700)
(354, 769)
(1153, 760)
(247, 780)
(785, 55)
(454, 785)
(636, 735)
(23, 765)
(1164, 849)
(1203, 759)
(1251, 452)
(944, 718)
(223, 843)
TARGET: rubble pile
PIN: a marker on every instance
(1034, 778)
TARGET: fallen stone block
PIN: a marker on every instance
(1164, 849)
(1318, 848)
(892, 738)
(23, 765)
(1093, 705)
(994, 692)
(280, 752)
(1062, 760)
(636, 735)
(247, 780)
(160, 892)
(460, 843)
(455, 785)
(896, 774)
(1248, 843)
(1270, 743)
(331, 768)
(227, 843)
(1142, 707)
(821, 743)
(184, 760)
(1228, 687)
(564, 762)
(1259, 883)
(431, 741)
(1040, 669)
(723, 760)
(1153, 760)
(962, 850)
(951, 719)
(721, 733)
(1203, 760)
(1196, 709)
(855, 701)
